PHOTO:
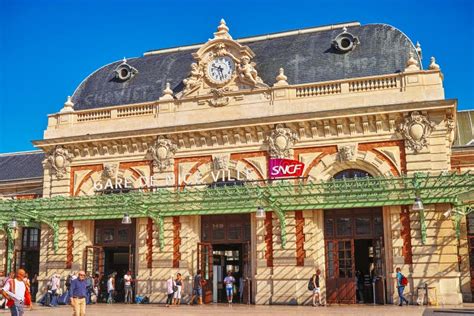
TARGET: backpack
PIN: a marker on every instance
(310, 284)
(404, 281)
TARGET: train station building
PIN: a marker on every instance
(272, 156)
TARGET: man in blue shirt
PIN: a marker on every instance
(401, 287)
(78, 293)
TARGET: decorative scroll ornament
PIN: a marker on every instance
(162, 152)
(347, 152)
(280, 141)
(220, 162)
(416, 129)
(59, 159)
(219, 99)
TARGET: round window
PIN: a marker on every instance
(124, 73)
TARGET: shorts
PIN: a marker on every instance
(197, 292)
(316, 290)
(230, 291)
(177, 294)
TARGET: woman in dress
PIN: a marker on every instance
(180, 288)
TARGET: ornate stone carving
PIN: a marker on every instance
(59, 159)
(412, 63)
(162, 152)
(416, 129)
(347, 152)
(219, 99)
(281, 79)
(124, 71)
(221, 62)
(167, 93)
(110, 171)
(220, 162)
(68, 105)
(433, 65)
(247, 73)
(451, 127)
(194, 80)
(280, 141)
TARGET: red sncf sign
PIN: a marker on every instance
(285, 168)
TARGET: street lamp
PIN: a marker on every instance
(126, 219)
(418, 204)
(260, 214)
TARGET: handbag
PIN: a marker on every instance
(175, 288)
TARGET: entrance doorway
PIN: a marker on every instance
(354, 255)
(112, 253)
(225, 247)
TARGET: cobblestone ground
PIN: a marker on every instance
(222, 309)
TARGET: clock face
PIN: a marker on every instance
(220, 69)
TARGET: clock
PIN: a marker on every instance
(220, 69)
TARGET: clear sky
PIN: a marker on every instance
(48, 47)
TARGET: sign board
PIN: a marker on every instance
(285, 168)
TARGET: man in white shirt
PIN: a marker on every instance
(17, 293)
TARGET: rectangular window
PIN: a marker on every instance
(218, 232)
(330, 249)
(329, 226)
(108, 235)
(234, 232)
(378, 225)
(362, 225)
(344, 226)
(123, 235)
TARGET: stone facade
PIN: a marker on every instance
(386, 125)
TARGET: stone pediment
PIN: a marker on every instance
(220, 66)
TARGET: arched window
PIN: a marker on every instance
(351, 174)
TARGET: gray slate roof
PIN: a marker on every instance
(306, 58)
(24, 165)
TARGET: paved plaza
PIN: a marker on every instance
(260, 310)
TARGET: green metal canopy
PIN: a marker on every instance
(277, 196)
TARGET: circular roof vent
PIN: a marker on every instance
(124, 71)
(345, 41)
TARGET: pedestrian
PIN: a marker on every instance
(17, 293)
(314, 284)
(359, 283)
(170, 289)
(179, 289)
(78, 293)
(127, 285)
(229, 281)
(197, 288)
(111, 288)
(55, 287)
(34, 287)
(96, 288)
(402, 281)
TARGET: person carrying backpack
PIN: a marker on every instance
(17, 292)
(314, 286)
(402, 281)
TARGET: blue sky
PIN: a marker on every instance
(48, 47)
